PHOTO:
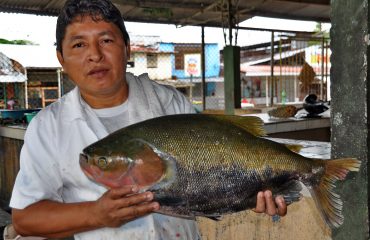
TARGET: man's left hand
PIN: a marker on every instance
(266, 204)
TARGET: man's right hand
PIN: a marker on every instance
(120, 205)
(52, 219)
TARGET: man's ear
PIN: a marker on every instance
(60, 58)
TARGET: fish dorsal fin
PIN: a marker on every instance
(251, 124)
(294, 147)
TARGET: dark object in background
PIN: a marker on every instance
(313, 106)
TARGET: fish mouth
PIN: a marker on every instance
(84, 160)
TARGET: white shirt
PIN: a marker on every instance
(49, 161)
(114, 118)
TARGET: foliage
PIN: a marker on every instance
(16, 42)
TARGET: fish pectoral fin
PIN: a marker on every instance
(291, 191)
(251, 124)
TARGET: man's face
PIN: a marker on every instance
(94, 57)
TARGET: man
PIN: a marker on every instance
(52, 197)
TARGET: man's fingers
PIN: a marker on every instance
(135, 199)
(267, 204)
(260, 206)
(117, 193)
(136, 211)
(281, 206)
(270, 203)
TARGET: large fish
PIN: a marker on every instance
(209, 165)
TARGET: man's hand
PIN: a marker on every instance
(265, 204)
(120, 205)
(52, 219)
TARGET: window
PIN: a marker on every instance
(151, 60)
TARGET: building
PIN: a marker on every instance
(175, 64)
(42, 73)
(299, 68)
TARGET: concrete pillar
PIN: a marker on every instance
(232, 78)
(350, 109)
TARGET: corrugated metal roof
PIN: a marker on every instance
(190, 12)
(10, 70)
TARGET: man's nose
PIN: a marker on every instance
(95, 53)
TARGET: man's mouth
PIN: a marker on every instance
(98, 72)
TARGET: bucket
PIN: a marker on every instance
(29, 116)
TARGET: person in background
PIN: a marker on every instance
(52, 197)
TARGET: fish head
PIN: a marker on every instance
(105, 169)
(120, 163)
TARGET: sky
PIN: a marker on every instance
(41, 30)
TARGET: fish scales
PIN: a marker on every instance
(208, 165)
(212, 145)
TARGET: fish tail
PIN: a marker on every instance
(326, 199)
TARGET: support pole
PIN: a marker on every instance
(322, 68)
(203, 62)
(230, 23)
(26, 90)
(59, 83)
(232, 78)
(350, 107)
(272, 82)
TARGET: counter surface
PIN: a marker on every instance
(276, 125)
(272, 125)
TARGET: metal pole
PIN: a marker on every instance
(5, 95)
(272, 69)
(326, 71)
(322, 68)
(267, 91)
(203, 62)
(59, 83)
(26, 89)
(230, 24)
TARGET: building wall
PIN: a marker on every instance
(212, 60)
(161, 72)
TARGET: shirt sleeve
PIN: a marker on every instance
(39, 177)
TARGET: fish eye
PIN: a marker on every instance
(102, 162)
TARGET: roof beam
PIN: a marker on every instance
(157, 4)
(317, 2)
(49, 4)
(203, 9)
(288, 16)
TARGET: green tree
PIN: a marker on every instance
(16, 42)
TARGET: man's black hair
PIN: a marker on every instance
(96, 9)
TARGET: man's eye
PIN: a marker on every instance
(107, 40)
(78, 45)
